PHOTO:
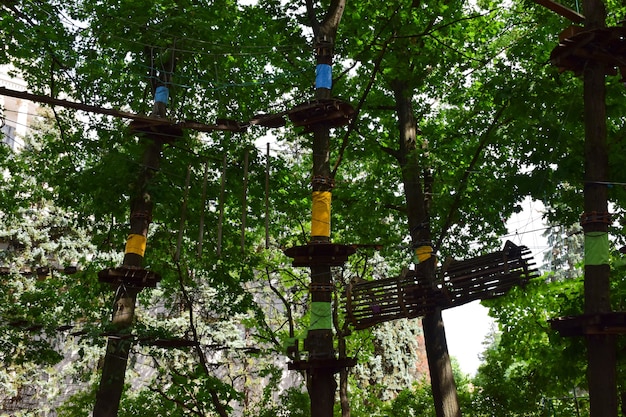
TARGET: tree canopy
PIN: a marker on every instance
(496, 122)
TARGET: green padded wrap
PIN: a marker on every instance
(597, 248)
(321, 316)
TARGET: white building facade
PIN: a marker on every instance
(15, 114)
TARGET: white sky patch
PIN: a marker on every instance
(468, 325)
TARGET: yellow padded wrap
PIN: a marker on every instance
(136, 244)
(423, 253)
(320, 215)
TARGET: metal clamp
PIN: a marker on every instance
(323, 181)
(141, 214)
(314, 287)
(602, 217)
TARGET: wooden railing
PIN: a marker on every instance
(412, 295)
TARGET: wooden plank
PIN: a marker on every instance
(37, 98)
(564, 11)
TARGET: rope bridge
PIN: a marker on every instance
(459, 282)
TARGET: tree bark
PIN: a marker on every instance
(601, 348)
(321, 382)
(111, 386)
(418, 203)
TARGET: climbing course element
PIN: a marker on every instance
(320, 213)
(577, 46)
(329, 112)
(372, 302)
(130, 277)
(369, 303)
(329, 254)
(487, 276)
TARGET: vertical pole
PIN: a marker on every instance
(319, 341)
(183, 214)
(601, 348)
(267, 197)
(244, 203)
(111, 385)
(203, 211)
(220, 220)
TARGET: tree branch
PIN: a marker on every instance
(219, 407)
(393, 152)
(484, 140)
(331, 21)
(368, 88)
(333, 17)
(180, 403)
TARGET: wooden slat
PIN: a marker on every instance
(486, 276)
(566, 12)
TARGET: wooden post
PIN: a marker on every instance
(244, 202)
(319, 342)
(111, 385)
(267, 197)
(203, 211)
(601, 348)
(220, 220)
(183, 214)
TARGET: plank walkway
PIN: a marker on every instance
(487, 276)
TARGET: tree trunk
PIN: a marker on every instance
(111, 385)
(601, 348)
(441, 378)
(114, 369)
(418, 202)
(321, 382)
(344, 399)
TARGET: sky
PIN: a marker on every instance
(468, 325)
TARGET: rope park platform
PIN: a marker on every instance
(369, 303)
(577, 46)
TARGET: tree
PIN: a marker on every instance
(108, 158)
(527, 364)
(484, 105)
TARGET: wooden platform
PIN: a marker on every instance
(368, 303)
(579, 46)
(328, 112)
(591, 324)
(487, 276)
(130, 277)
(371, 302)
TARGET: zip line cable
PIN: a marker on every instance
(276, 150)
(238, 85)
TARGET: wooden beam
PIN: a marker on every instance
(559, 9)
(37, 98)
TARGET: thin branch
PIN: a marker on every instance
(433, 37)
(365, 265)
(285, 303)
(393, 152)
(368, 88)
(219, 407)
(484, 140)
(310, 11)
(178, 402)
(431, 27)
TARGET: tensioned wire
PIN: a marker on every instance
(160, 33)
(278, 150)
(230, 46)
